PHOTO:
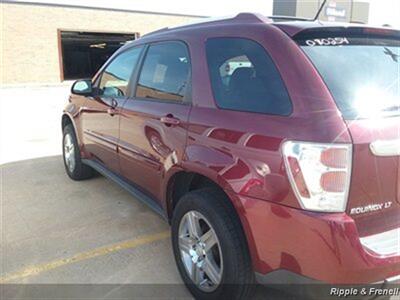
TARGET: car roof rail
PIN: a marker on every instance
(156, 31)
(255, 17)
(288, 18)
(241, 17)
(249, 17)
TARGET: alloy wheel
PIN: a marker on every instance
(69, 152)
(200, 251)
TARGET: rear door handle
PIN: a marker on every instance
(170, 120)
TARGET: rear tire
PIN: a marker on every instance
(231, 273)
(74, 167)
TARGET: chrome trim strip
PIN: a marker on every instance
(385, 148)
(386, 243)
(100, 139)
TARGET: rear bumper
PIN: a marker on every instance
(319, 247)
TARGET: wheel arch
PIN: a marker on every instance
(67, 119)
(183, 182)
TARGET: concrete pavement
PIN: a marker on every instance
(58, 231)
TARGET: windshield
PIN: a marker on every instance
(363, 74)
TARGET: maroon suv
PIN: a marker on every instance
(272, 148)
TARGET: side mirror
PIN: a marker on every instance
(82, 87)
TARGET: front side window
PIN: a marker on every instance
(165, 72)
(115, 78)
(244, 77)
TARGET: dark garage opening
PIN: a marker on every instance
(83, 53)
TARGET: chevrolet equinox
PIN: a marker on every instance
(272, 148)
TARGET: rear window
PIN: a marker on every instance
(362, 73)
(244, 78)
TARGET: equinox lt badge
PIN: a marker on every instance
(370, 208)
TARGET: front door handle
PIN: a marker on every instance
(112, 110)
(170, 120)
(114, 103)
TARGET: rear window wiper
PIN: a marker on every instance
(389, 52)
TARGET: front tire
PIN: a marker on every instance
(210, 247)
(74, 167)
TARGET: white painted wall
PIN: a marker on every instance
(199, 7)
(381, 11)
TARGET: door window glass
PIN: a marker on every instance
(115, 78)
(165, 72)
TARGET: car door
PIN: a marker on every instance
(100, 121)
(153, 121)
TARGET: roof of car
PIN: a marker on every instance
(290, 25)
(294, 27)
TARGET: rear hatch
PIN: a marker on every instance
(361, 68)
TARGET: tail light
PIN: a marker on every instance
(319, 174)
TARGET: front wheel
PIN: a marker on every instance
(210, 247)
(74, 167)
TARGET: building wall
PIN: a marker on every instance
(307, 8)
(360, 12)
(29, 36)
(334, 10)
(284, 8)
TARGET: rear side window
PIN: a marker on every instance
(115, 78)
(361, 72)
(165, 72)
(244, 77)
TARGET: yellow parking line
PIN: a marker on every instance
(34, 270)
